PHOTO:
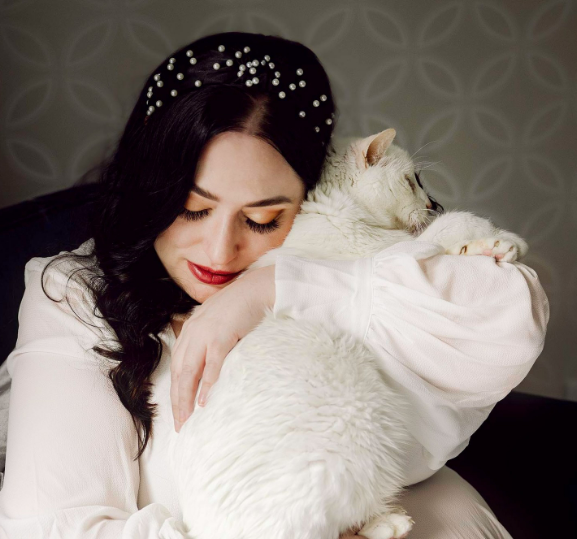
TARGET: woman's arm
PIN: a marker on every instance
(454, 333)
(69, 468)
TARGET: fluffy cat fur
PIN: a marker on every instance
(303, 436)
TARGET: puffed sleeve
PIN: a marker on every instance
(69, 468)
(454, 333)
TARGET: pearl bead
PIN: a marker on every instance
(299, 71)
(266, 57)
(255, 80)
(317, 129)
(316, 103)
(246, 49)
(323, 97)
(238, 54)
(198, 83)
(255, 63)
(248, 82)
(242, 67)
(271, 65)
(229, 62)
(252, 70)
(216, 65)
(149, 94)
(150, 88)
(193, 61)
(248, 64)
(302, 114)
(328, 121)
(148, 112)
(173, 93)
(170, 67)
(221, 48)
(159, 103)
(240, 74)
(275, 82)
(172, 60)
(292, 86)
(157, 76)
(160, 84)
(302, 83)
(151, 108)
(189, 53)
(262, 62)
(180, 76)
(281, 95)
(277, 74)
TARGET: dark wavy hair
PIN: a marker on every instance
(145, 183)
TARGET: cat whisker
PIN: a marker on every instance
(423, 147)
(426, 164)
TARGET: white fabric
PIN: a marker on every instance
(69, 468)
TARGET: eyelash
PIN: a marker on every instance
(255, 227)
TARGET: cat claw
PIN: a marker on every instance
(501, 250)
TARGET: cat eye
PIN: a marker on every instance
(418, 179)
(410, 182)
(255, 227)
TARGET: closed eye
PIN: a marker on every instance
(255, 227)
(418, 179)
(410, 182)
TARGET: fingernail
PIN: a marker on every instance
(182, 416)
(202, 400)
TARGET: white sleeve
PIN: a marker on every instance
(454, 333)
(69, 468)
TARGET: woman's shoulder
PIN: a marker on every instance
(61, 266)
(58, 312)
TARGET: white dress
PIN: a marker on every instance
(456, 333)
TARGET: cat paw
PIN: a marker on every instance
(501, 250)
(393, 525)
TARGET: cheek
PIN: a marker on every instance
(177, 236)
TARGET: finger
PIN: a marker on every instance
(212, 368)
(187, 386)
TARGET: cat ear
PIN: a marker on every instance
(377, 146)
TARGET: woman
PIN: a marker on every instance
(209, 174)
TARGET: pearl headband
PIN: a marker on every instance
(242, 68)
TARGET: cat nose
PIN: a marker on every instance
(429, 205)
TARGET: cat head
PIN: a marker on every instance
(382, 178)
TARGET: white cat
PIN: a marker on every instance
(274, 454)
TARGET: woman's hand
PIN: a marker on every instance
(211, 332)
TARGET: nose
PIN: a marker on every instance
(221, 246)
(435, 206)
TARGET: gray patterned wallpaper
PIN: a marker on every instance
(484, 91)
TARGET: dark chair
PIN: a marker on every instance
(522, 460)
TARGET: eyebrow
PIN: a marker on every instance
(258, 204)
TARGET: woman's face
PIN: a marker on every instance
(237, 177)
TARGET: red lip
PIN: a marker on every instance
(207, 276)
(216, 272)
